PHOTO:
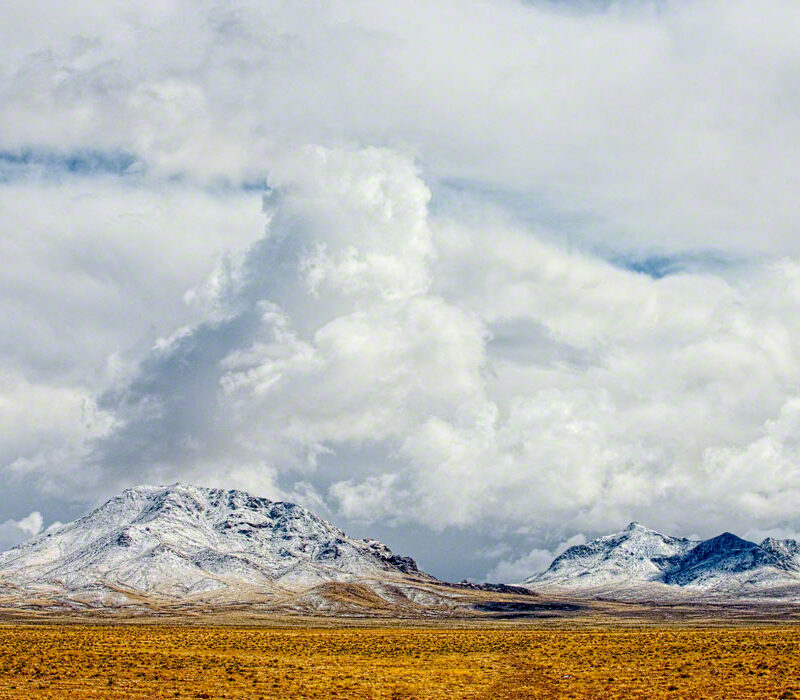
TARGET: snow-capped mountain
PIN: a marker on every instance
(639, 563)
(726, 559)
(182, 541)
(634, 554)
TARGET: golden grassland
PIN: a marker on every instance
(163, 661)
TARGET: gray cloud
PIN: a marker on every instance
(527, 342)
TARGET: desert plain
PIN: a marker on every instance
(616, 652)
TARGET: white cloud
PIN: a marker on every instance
(534, 562)
(422, 326)
(303, 368)
(45, 431)
(32, 523)
(663, 125)
(762, 478)
(350, 363)
(517, 570)
(93, 272)
(12, 532)
(93, 267)
(294, 369)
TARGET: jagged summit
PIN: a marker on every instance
(181, 540)
(638, 562)
(788, 550)
(721, 556)
(636, 553)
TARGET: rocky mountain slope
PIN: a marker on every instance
(183, 545)
(642, 564)
(184, 542)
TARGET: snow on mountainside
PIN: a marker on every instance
(787, 550)
(639, 563)
(724, 559)
(635, 554)
(179, 541)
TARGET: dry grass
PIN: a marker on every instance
(133, 661)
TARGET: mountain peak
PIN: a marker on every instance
(182, 539)
(788, 551)
(633, 554)
(729, 538)
(637, 560)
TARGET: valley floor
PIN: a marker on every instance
(167, 661)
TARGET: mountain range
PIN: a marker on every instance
(638, 563)
(190, 545)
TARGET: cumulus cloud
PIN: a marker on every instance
(12, 532)
(519, 270)
(761, 477)
(305, 360)
(535, 561)
(305, 354)
(517, 570)
(94, 272)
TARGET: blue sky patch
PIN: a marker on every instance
(659, 266)
(26, 162)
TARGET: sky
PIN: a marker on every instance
(479, 278)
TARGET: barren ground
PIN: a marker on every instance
(595, 658)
